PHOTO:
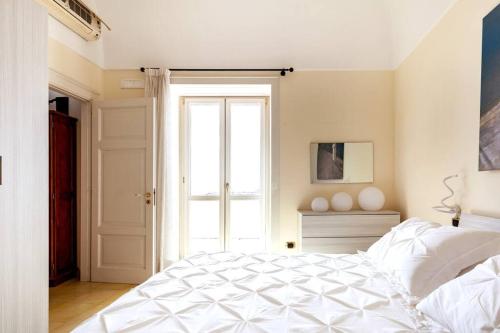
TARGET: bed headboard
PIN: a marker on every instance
(479, 222)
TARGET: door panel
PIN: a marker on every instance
(129, 123)
(119, 202)
(123, 177)
(131, 255)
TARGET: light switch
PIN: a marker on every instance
(132, 84)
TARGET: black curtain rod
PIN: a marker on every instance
(281, 70)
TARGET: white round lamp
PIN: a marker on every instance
(371, 199)
(319, 204)
(341, 202)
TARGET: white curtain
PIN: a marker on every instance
(167, 222)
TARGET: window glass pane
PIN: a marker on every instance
(248, 245)
(245, 149)
(204, 222)
(246, 225)
(204, 245)
(204, 145)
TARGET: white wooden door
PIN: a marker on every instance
(123, 178)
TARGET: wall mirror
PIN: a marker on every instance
(341, 162)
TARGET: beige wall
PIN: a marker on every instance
(65, 61)
(318, 106)
(437, 103)
(423, 119)
(112, 81)
(332, 106)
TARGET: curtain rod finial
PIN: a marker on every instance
(284, 70)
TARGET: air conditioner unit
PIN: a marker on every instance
(76, 16)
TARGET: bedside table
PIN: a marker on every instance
(343, 232)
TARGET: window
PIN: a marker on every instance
(224, 174)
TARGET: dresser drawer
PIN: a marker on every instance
(347, 225)
(337, 245)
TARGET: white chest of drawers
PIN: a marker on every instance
(343, 232)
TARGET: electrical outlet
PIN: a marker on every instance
(290, 245)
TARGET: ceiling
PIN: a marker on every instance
(305, 34)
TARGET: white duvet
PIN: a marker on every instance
(227, 292)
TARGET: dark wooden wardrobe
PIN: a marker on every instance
(62, 187)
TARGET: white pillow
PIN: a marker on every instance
(469, 303)
(413, 226)
(422, 255)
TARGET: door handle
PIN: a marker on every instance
(146, 195)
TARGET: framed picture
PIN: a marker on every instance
(341, 162)
(489, 132)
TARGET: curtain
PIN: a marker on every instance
(157, 85)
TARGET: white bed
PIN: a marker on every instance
(228, 292)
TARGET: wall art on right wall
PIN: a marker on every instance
(489, 133)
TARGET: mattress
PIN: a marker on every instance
(229, 292)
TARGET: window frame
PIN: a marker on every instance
(225, 146)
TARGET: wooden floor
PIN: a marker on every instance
(73, 301)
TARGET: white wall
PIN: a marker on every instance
(410, 21)
(24, 151)
(74, 105)
(92, 51)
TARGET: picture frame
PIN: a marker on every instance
(341, 162)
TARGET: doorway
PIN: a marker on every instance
(79, 110)
(64, 113)
(120, 121)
